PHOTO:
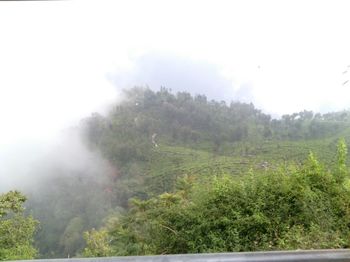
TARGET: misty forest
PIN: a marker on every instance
(167, 173)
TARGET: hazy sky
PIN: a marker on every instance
(61, 60)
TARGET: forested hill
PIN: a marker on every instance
(154, 136)
(147, 121)
(153, 139)
(182, 119)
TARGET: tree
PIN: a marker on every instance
(342, 152)
(16, 229)
(97, 243)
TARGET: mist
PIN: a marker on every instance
(178, 73)
(66, 157)
(46, 135)
(59, 66)
(38, 132)
(69, 68)
(271, 90)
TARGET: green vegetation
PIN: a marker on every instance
(191, 175)
(295, 208)
(16, 229)
(154, 137)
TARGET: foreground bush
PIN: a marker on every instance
(16, 229)
(302, 207)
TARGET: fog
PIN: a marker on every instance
(56, 72)
(38, 139)
(29, 159)
(46, 135)
(28, 165)
(61, 61)
(179, 74)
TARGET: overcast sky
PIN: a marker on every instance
(61, 60)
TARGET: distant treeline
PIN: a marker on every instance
(193, 120)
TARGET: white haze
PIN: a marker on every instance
(62, 60)
(32, 164)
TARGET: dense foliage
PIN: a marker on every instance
(296, 208)
(16, 229)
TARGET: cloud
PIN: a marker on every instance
(273, 86)
(179, 74)
(29, 165)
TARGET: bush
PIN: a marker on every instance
(295, 208)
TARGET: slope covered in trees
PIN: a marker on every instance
(154, 137)
(169, 152)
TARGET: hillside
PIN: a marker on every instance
(153, 139)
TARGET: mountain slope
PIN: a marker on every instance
(152, 139)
